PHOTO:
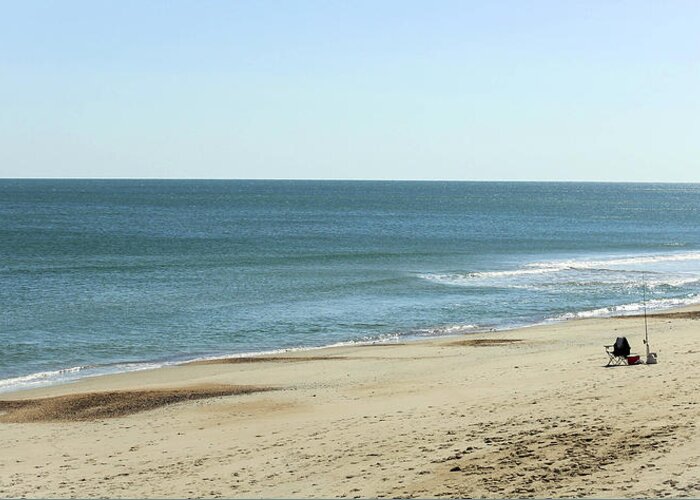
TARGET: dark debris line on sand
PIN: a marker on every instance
(484, 342)
(97, 405)
(264, 359)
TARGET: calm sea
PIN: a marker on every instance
(105, 276)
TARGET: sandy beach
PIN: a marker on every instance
(521, 413)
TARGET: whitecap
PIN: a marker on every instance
(630, 309)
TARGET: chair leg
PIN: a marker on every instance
(616, 360)
(612, 360)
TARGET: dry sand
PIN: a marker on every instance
(530, 412)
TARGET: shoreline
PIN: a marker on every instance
(27, 382)
(530, 412)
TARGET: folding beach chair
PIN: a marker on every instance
(618, 352)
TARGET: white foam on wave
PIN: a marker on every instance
(38, 378)
(448, 330)
(535, 269)
(465, 278)
(72, 374)
(616, 261)
(630, 309)
(675, 282)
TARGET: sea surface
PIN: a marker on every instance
(107, 276)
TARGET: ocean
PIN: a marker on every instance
(104, 276)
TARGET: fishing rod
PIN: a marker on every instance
(651, 356)
(646, 324)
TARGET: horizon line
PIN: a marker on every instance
(319, 179)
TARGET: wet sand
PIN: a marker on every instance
(523, 413)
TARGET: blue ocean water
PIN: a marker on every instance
(99, 276)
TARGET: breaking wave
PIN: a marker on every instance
(72, 374)
(630, 309)
(648, 270)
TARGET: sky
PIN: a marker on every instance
(589, 90)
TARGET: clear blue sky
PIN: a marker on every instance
(512, 90)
